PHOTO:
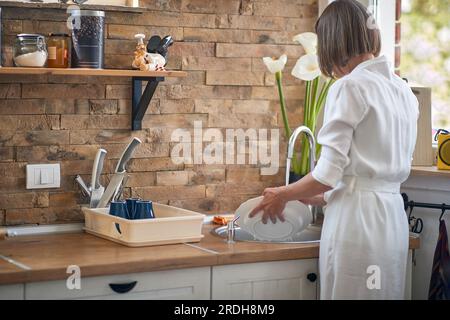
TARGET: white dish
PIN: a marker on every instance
(297, 217)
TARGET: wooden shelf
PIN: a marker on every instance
(91, 72)
(140, 100)
(62, 6)
(425, 171)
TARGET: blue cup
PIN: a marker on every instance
(131, 206)
(118, 209)
(144, 210)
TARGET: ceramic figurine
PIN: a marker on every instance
(145, 61)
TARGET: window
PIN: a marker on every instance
(425, 58)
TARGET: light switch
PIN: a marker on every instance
(40, 176)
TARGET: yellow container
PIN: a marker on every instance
(443, 153)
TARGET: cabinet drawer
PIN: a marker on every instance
(172, 284)
(12, 292)
(290, 279)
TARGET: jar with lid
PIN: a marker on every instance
(58, 50)
(30, 50)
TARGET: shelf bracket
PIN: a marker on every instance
(141, 100)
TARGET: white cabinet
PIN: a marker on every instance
(290, 279)
(12, 292)
(172, 284)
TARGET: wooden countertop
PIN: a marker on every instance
(46, 257)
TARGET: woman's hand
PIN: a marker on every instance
(272, 205)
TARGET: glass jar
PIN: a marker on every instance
(58, 50)
(30, 50)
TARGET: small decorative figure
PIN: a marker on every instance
(145, 61)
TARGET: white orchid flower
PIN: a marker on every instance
(308, 40)
(307, 68)
(277, 65)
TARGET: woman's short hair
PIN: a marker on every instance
(345, 29)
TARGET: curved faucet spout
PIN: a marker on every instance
(291, 145)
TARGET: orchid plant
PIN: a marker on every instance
(306, 69)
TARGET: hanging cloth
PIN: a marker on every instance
(440, 275)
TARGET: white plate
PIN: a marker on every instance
(297, 217)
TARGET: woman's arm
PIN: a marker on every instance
(275, 199)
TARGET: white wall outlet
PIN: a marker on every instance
(41, 176)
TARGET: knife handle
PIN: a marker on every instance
(97, 168)
(127, 154)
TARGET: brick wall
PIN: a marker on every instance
(62, 119)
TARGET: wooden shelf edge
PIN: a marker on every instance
(92, 72)
(62, 6)
(429, 171)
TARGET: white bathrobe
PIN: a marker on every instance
(368, 139)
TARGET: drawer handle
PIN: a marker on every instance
(122, 287)
(311, 277)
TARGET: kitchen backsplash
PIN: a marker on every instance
(64, 119)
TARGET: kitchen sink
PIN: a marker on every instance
(309, 235)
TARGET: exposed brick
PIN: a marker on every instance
(24, 200)
(242, 121)
(62, 90)
(116, 31)
(239, 175)
(10, 91)
(154, 164)
(24, 106)
(254, 23)
(198, 49)
(108, 136)
(141, 179)
(95, 122)
(213, 105)
(29, 138)
(103, 107)
(251, 106)
(173, 121)
(12, 27)
(207, 206)
(213, 63)
(285, 8)
(206, 175)
(234, 78)
(231, 189)
(246, 7)
(166, 5)
(172, 178)
(29, 122)
(43, 216)
(177, 106)
(170, 192)
(211, 6)
(207, 92)
(65, 119)
(257, 50)
(270, 93)
(62, 199)
(12, 169)
(217, 35)
(7, 154)
(59, 106)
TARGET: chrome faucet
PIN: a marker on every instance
(312, 157)
(291, 145)
(231, 227)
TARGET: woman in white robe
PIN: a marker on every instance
(367, 139)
